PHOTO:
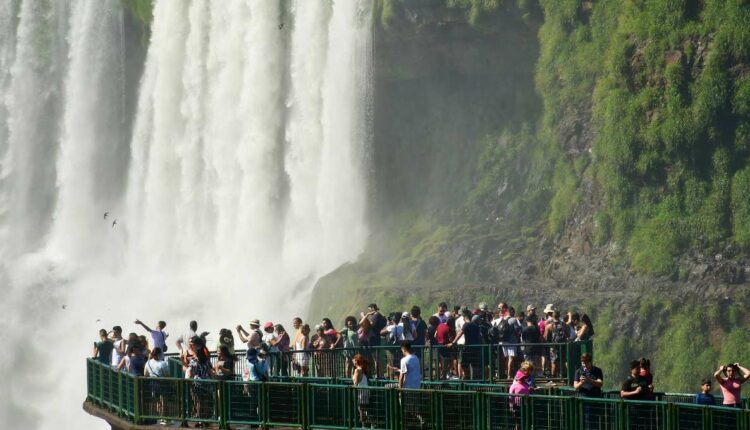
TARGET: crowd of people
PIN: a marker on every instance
(529, 342)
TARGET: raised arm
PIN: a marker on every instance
(242, 334)
(745, 373)
(718, 376)
(145, 327)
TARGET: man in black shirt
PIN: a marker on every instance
(588, 381)
(635, 387)
(470, 357)
(588, 378)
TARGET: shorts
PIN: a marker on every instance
(510, 351)
(553, 354)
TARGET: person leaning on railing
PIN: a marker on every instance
(588, 379)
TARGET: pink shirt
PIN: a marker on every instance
(730, 389)
(518, 387)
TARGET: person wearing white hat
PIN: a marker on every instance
(253, 338)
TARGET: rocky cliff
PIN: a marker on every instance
(593, 154)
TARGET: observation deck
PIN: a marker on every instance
(327, 400)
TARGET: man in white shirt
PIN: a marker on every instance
(184, 339)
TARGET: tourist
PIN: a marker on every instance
(350, 342)
(586, 329)
(432, 325)
(471, 355)
(571, 320)
(360, 382)
(119, 346)
(376, 322)
(442, 338)
(705, 397)
(144, 345)
(252, 339)
(410, 375)
(334, 338)
(103, 348)
(323, 358)
(556, 332)
(418, 329)
(634, 387)
(134, 362)
(521, 384)
(588, 379)
(199, 368)
(225, 339)
(442, 312)
(394, 335)
(297, 326)
(648, 378)
(184, 339)
(224, 367)
(156, 366)
(269, 337)
(301, 363)
(158, 335)
(282, 344)
(532, 348)
(731, 382)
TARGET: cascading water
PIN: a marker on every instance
(243, 180)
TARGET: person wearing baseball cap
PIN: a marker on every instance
(269, 337)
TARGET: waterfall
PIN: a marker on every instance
(240, 178)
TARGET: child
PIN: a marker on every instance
(647, 377)
(705, 397)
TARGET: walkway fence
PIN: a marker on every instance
(486, 360)
(306, 404)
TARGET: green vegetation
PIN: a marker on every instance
(141, 10)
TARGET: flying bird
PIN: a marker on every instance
(281, 26)
(106, 214)
(114, 223)
(64, 307)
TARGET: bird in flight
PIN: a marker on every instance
(64, 307)
(106, 214)
(281, 26)
(114, 223)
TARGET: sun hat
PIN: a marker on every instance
(255, 322)
(549, 308)
(405, 315)
(530, 308)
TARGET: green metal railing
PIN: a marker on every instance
(436, 361)
(306, 403)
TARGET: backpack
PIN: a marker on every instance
(484, 330)
(503, 330)
(558, 333)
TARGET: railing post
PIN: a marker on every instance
(136, 400)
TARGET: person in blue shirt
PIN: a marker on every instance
(705, 397)
(411, 371)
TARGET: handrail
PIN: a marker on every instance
(435, 360)
(142, 400)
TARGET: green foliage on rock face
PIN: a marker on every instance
(666, 85)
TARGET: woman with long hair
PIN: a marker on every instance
(360, 382)
(586, 330)
(301, 363)
(198, 369)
